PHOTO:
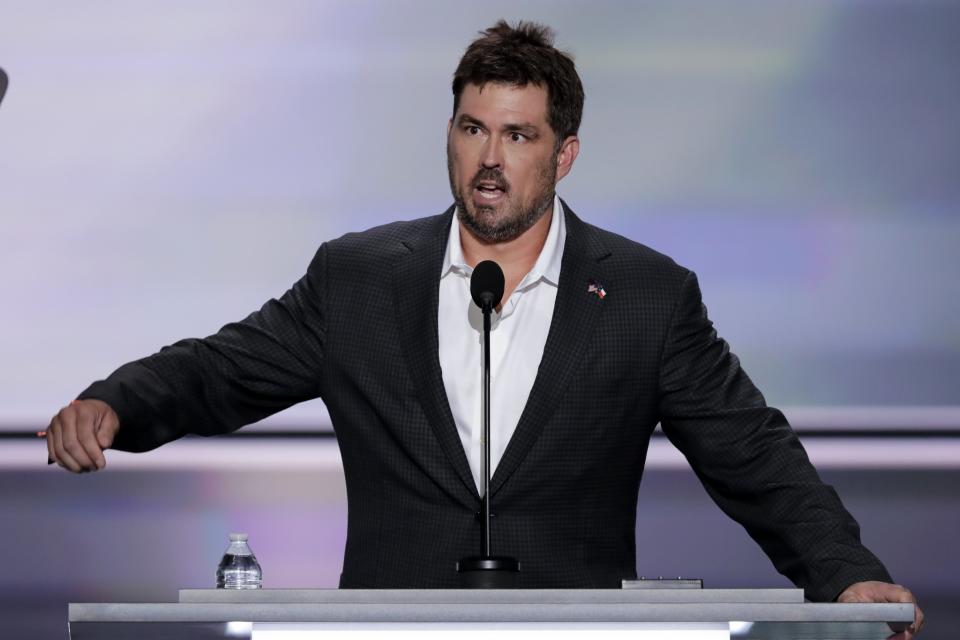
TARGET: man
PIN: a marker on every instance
(598, 340)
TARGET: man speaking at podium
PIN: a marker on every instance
(598, 340)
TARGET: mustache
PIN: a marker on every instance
(490, 175)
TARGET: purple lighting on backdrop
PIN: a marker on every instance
(166, 171)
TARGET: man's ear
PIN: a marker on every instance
(567, 155)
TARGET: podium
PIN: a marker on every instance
(639, 614)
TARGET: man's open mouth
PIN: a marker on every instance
(489, 190)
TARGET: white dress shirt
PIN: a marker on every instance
(517, 337)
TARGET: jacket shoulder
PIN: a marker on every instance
(385, 243)
(628, 256)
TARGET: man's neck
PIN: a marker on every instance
(516, 257)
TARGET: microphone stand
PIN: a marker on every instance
(485, 413)
(487, 571)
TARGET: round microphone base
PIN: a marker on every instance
(492, 572)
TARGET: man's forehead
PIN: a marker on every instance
(495, 99)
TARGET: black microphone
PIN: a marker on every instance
(487, 571)
(487, 284)
(3, 84)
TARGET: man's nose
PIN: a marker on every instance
(492, 155)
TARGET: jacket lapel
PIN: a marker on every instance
(575, 314)
(417, 290)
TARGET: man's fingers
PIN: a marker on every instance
(71, 438)
(904, 595)
(87, 419)
(875, 591)
(63, 458)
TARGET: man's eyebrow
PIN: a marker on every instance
(528, 127)
(466, 118)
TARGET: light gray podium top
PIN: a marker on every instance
(486, 606)
(488, 596)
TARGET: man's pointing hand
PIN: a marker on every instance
(79, 433)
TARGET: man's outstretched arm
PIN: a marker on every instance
(248, 370)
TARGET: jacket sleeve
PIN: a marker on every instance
(750, 460)
(246, 371)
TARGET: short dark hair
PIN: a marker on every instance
(520, 56)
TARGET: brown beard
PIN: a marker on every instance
(481, 220)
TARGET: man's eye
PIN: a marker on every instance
(517, 137)
(473, 130)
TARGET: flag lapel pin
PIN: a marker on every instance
(596, 288)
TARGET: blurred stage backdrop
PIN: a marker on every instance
(167, 167)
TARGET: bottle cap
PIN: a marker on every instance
(238, 537)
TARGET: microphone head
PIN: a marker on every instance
(487, 284)
(3, 84)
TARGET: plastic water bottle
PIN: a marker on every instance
(239, 568)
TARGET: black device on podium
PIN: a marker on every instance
(487, 571)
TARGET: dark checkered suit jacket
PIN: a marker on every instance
(360, 331)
